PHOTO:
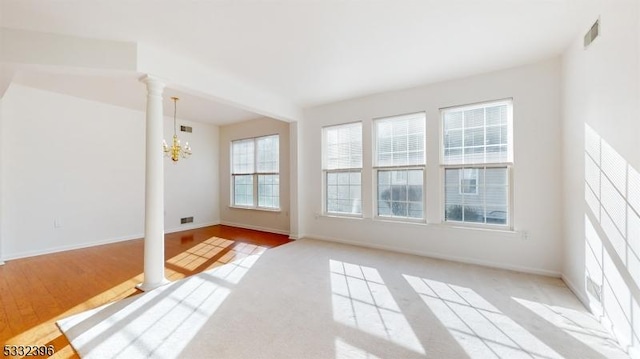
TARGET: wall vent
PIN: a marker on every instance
(592, 33)
(186, 220)
(186, 129)
(594, 289)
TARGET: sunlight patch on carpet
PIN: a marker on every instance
(481, 329)
(361, 300)
(159, 323)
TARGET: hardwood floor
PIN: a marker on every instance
(35, 292)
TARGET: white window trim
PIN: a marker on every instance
(376, 168)
(324, 211)
(494, 226)
(509, 226)
(473, 106)
(255, 175)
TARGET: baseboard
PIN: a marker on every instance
(581, 297)
(103, 242)
(71, 247)
(255, 228)
(188, 226)
(537, 271)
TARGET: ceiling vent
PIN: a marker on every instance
(592, 33)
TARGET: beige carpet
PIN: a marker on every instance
(314, 299)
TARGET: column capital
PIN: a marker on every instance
(154, 84)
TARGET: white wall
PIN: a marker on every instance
(602, 161)
(191, 185)
(271, 221)
(81, 163)
(535, 90)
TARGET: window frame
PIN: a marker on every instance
(255, 175)
(326, 172)
(376, 168)
(508, 164)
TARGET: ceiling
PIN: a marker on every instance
(314, 52)
(126, 90)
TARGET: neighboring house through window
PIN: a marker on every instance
(255, 172)
(469, 181)
(477, 156)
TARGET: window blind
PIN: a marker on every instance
(476, 135)
(343, 146)
(268, 154)
(400, 140)
(243, 154)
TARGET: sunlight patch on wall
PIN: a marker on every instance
(481, 329)
(361, 300)
(612, 236)
(594, 253)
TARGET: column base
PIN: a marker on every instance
(145, 287)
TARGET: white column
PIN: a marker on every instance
(154, 190)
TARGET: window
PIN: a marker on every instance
(342, 167)
(477, 155)
(399, 161)
(255, 172)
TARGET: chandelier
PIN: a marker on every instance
(176, 151)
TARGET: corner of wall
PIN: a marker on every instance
(1, 177)
(599, 103)
(576, 291)
(270, 221)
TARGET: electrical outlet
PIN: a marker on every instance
(594, 289)
(525, 235)
(57, 223)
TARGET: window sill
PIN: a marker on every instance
(339, 216)
(400, 220)
(273, 210)
(482, 228)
